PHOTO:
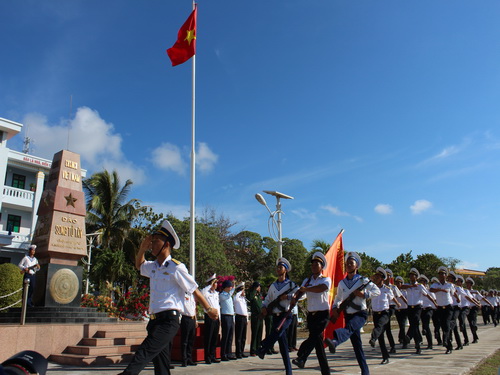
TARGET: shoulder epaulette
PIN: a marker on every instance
(176, 261)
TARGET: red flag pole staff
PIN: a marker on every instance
(183, 49)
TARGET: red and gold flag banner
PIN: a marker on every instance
(335, 271)
(185, 46)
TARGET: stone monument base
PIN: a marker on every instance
(58, 285)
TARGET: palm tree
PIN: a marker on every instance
(108, 212)
(111, 216)
(320, 245)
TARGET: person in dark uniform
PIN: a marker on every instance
(169, 281)
(277, 303)
(356, 312)
(256, 322)
(316, 288)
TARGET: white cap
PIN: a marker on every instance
(168, 231)
(382, 272)
(415, 272)
(443, 269)
(399, 278)
(285, 263)
(211, 278)
(319, 256)
(470, 280)
(354, 255)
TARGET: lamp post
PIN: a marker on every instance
(274, 225)
(90, 240)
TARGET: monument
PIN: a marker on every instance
(60, 234)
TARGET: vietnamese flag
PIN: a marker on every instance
(335, 271)
(185, 46)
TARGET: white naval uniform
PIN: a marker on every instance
(346, 287)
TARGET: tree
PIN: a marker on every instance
(368, 265)
(110, 214)
(248, 256)
(427, 264)
(450, 262)
(401, 265)
(320, 245)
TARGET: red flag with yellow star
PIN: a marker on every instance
(185, 47)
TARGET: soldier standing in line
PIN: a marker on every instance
(188, 330)
(256, 321)
(240, 320)
(211, 332)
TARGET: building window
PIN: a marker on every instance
(18, 181)
(13, 223)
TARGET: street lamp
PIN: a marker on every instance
(274, 225)
(90, 240)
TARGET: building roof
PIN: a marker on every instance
(466, 271)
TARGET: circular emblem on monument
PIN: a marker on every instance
(64, 286)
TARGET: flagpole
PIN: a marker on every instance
(192, 252)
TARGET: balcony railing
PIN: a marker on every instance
(17, 196)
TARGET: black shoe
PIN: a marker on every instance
(231, 357)
(448, 351)
(372, 343)
(215, 360)
(459, 347)
(440, 342)
(419, 351)
(474, 341)
(208, 361)
(466, 343)
(261, 354)
(393, 350)
(385, 361)
(269, 352)
(224, 359)
(171, 367)
(191, 363)
(274, 351)
(429, 347)
(298, 362)
(244, 355)
(239, 356)
(331, 345)
(405, 346)
(184, 364)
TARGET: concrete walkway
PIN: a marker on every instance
(430, 362)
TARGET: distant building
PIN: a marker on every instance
(22, 180)
(471, 273)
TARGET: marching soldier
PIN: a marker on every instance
(415, 293)
(316, 288)
(356, 311)
(444, 292)
(380, 307)
(428, 308)
(392, 308)
(452, 277)
(472, 317)
(401, 311)
(277, 304)
(169, 281)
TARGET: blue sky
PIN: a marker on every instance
(379, 117)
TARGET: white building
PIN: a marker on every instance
(22, 180)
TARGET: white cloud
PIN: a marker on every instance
(448, 151)
(337, 212)
(468, 265)
(420, 206)
(383, 209)
(205, 158)
(89, 135)
(304, 214)
(168, 157)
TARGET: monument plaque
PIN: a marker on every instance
(60, 233)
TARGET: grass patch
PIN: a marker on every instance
(489, 366)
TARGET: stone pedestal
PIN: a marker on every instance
(60, 234)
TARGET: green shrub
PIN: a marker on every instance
(11, 280)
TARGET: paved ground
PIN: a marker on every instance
(430, 362)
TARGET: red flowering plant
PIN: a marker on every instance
(134, 303)
(101, 303)
(221, 279)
